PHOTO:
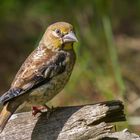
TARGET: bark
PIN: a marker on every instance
(87, 122)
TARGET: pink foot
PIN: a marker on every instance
(39, 109)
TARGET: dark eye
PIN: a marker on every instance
(58, 32)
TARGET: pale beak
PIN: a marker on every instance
(70, 37)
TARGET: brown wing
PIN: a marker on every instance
(31, 67)
(36, 71)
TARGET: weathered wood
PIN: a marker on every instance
(85, 122)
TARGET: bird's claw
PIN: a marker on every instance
(39, 109)
(43, 109)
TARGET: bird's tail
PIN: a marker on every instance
(6, 113)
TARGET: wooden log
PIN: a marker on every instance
(87, 122)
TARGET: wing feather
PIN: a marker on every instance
(37, 74)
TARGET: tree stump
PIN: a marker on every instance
(86, 122)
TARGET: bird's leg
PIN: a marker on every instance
(39, 109)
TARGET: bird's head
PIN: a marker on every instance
(59, 35)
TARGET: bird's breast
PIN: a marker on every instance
(47, 91)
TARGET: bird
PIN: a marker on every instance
(44, 73)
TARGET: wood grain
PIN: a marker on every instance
(87, 122)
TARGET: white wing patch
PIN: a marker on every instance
(40, 52)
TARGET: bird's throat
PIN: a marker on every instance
(68, 46)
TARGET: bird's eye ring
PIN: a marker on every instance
(58, 32)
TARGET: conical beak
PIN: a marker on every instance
(70, 37)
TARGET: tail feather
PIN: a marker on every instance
(4, 117)
(6, 113)
(10, 94)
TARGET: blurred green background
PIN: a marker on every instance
(108, 52)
